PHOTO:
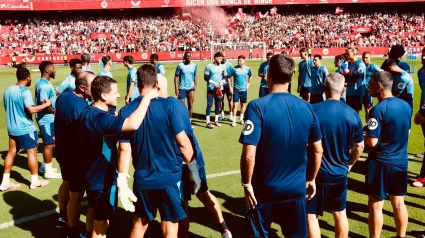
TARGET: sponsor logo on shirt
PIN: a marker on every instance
(372, 124)
(248, 127)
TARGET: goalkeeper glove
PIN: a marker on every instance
(194, 175)
(125, 193)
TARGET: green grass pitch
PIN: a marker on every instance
(222, 153)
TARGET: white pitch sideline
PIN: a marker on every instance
(55, 211)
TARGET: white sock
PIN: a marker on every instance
(241, 116)
(34, 179)
(49, 167)
(6, 179)
(216, 117)
(208, 119)
(222, 113)
(231, 114)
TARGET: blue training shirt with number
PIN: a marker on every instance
(186, 74)
(152, 145)
(216, 74)
(340, 126)
(44, 90)
(357, 69)
(318, 76)
(98, 133)
(305, 68)
(280, 125)
(389, 122)
(241, 76)
(16, 99)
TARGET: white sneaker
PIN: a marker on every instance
(241, 122)
(52, 175)
(419, 156)
(40, 184)
(210, 125)
(217, 124)
(42, 169)
(233, 123)
(5, 187)
(227, 234)
(231, 119)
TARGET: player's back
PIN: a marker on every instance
(16, 99)
(340, 126)
(390, 122)
(154, 157)
(44, 90)
(281, 158)
(68, 109)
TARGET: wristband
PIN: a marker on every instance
(248, 185)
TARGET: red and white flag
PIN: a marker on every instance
(240, 10)
(273, 11)
(339, 11)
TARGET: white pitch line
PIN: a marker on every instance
(55, 211)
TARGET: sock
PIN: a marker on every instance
(216, 117)
(34, 179)
(6, 179)
(43, 164)
(223, 227)
(231, 114)
(241, 116)
(63, 214)
(208, 119)
(222, 113)
(49, 167)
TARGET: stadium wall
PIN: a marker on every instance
(124, 4)
(196, 55)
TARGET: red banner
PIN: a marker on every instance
(83, 5)
(196, 55)
(98, 35)
(361, 29)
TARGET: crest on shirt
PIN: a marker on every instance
(248, 127)
(133, 76)
(360, 70)
(400, 85)
(372, 124)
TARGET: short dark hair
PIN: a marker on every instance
(241, 57)
(154, 56)
(396, 52)
(365, 53)
(303, 50)
(281, 68)
(218, 54)
(22, 73)
(85, 58)
(384, 78)
(186, 53)
(74, 62)
(146, 76)
(101, 84)
(317, 56)
(44, 65)
(269, 54)
(106, 59)
(387, 63)
(129, 59)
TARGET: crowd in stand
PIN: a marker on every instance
(81, 34)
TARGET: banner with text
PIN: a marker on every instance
(196, 55)
(83, 5)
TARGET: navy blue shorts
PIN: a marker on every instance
(104, 202)
(227, 93)
(383, 180)
(70, 170)
(335, 195)
(48, 133)
(355, 102)
(304, 92)
(187, 184)
(291, 216)
(316, 98)
(263, 92)
(367, 100)
(25, 142)
(242, 95)
(183, 93)
(167, 200)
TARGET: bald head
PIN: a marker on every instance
(163, 86)
(83, 84)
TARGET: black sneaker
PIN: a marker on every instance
(61, 223)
